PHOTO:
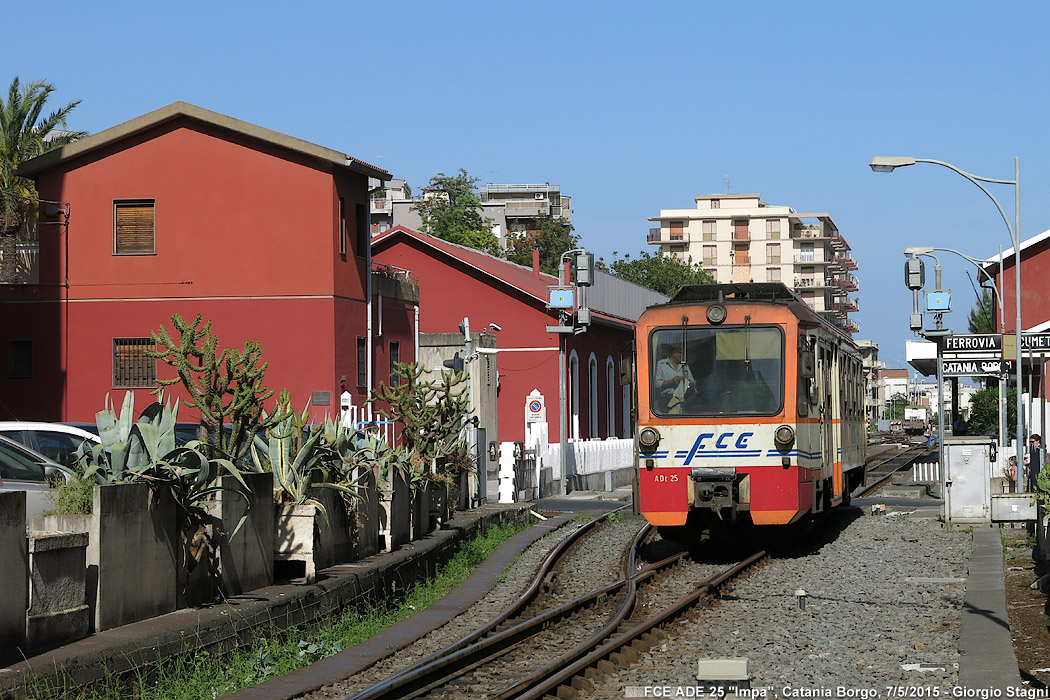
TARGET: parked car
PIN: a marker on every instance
(22, 469)
(56, 441)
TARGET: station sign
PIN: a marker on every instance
(974, 368)
(993, 342)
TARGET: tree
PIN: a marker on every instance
(24, 134)
(895, 407)
(451, 210)
(664, 273)
(984, 412)
(982, 316)
(554, 237)
(226, 386)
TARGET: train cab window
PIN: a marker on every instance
(724, 371)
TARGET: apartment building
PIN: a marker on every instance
(740, 238)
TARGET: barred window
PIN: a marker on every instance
(362, 362)
(21, 358)
(134, 231)
(395, 358)
(132, 368)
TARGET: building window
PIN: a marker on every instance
(709, 230)
(678, 251)
(741, 254)
(772, 274)
(592, 397)
(806, 253)
(134, 231)
(342, 227)
(713, 271)
(677, 230)
(740, 232)
(715, 204)
(772, 253)
(610, 398)
(710, 255)
(574, 396)
(21, 358)
(362, 362)
(395, 358)
(361, 223)
(773, 229)
(132, 367)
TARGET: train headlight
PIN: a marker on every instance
(648, 439)
(784, 437)
(716, 314)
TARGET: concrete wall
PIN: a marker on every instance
(58, 610)
(14, 562)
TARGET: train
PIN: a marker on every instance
(749, 410)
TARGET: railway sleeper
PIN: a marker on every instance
(607, 667)
(594, 675)
(582, 683)
(630, 654)
(567, 692)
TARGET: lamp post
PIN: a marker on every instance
(886, 164)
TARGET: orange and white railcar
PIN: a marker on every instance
(765, 423)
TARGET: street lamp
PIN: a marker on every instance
(886, 164)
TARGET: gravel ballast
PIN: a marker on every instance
(882, 609)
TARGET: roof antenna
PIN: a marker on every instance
(727, 181)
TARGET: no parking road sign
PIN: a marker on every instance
(535, 408)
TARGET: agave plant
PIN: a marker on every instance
(301, 458)
(145, 451)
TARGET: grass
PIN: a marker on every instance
(203, 674)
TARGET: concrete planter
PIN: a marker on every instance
(420, 511)
(58, 610)
(440, 504)
(364, 518)
(244, 559)
(131, 555)
(395, 519)
(14, 563)
(304, 536)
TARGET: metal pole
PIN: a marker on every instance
(562, 419)
(941, 463)
(1016, 234)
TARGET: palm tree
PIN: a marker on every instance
(24, 135)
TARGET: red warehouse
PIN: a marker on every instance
(457, 282)
(188, 211)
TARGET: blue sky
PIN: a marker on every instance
(630, 107)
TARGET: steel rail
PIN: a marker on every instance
(485, 643)
(548, 679)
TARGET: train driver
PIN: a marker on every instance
(673, 380)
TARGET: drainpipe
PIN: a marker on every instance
(415, 335)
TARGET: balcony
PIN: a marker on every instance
(810, 282)
(801, 259)
(845, 283)
(845, 259)
(527, 209)
(849, 305)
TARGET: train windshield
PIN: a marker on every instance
(723, 371)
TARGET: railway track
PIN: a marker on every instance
(528, 653)
(880, 471)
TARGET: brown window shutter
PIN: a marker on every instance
(134, 228)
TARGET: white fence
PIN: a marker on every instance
(589, 456)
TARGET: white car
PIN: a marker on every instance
(22, 469)
(56, 441)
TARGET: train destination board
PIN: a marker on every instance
(990, 342)
(971, 368)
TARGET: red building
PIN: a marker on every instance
(457, 282)
(188, 211)
(1035, 289)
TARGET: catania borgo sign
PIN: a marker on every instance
(970, 368)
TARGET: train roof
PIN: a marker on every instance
(751, 291)
(762, 292)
